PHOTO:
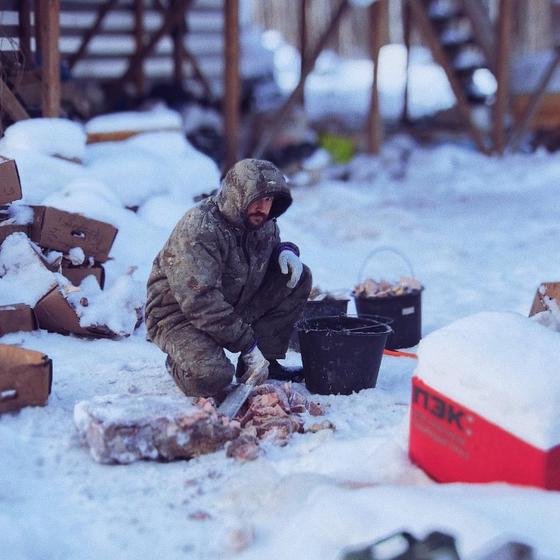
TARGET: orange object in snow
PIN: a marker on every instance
(400, 354)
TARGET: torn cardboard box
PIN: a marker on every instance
(10, 185)
(56, 229)
(55, 314)
(16, 318)
(25, 378)
(77, 273)
(547, 293)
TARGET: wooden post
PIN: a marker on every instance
(377, 19)
(534, 103)
(502, 73)
(407, 34)
(139, 77)
(50, 82)
(309, 65)
(231, 89)
(421, 19)
(24, 20)
(303, 42)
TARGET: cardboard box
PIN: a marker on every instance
(77, 273)
(55, 314)
(546, 290)
(56, 229)
(25, 378)
(7, 229)
(10, 185)
(15, 318)
(454, 444)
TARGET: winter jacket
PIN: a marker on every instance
(212, 264)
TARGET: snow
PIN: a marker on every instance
(504, 367)
(158, 118)
(481, 233)
(19, 214)
(340, 87)
(114, 307)
(23, 276)
(47, 136)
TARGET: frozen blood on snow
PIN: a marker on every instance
(127, 428)
(273, 411)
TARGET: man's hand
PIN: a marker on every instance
(256, 366)
(289, 263)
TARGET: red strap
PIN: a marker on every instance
(399, 354)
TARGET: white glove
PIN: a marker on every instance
(289, 263)
(256, 367)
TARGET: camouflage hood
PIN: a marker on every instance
(247, 181)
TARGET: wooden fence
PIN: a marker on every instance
(532, 27)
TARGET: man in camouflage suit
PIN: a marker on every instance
(225, 280)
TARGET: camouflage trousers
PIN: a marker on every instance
(200, 366)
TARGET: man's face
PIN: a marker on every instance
(258, 211)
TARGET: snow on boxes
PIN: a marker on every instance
(73, 248)
(485, 399)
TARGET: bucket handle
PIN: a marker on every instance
(388, 249)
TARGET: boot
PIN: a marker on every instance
(285, 373)
(275, 371)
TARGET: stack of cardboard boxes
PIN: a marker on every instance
(19, 317)
(70, 244)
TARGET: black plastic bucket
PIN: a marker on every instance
(341, 354)
(405, 311)
(319, 308)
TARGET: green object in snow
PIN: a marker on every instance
(341, 148)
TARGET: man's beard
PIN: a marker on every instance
(256, 225)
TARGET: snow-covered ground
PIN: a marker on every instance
(481, 234)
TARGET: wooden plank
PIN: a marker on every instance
(232, 87)
(378, 13)
(534, 104)
(482, 29)
(407, 34)
(51, 58)
(104, 9)
(25, 31)
(303, 42)
(171, 18)
(10, 103)
(38, 38)
(284, 111)
(186, 55)
(197, 73)
(425, 27)
(139, 74)
(178, 36)
(505, 16)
